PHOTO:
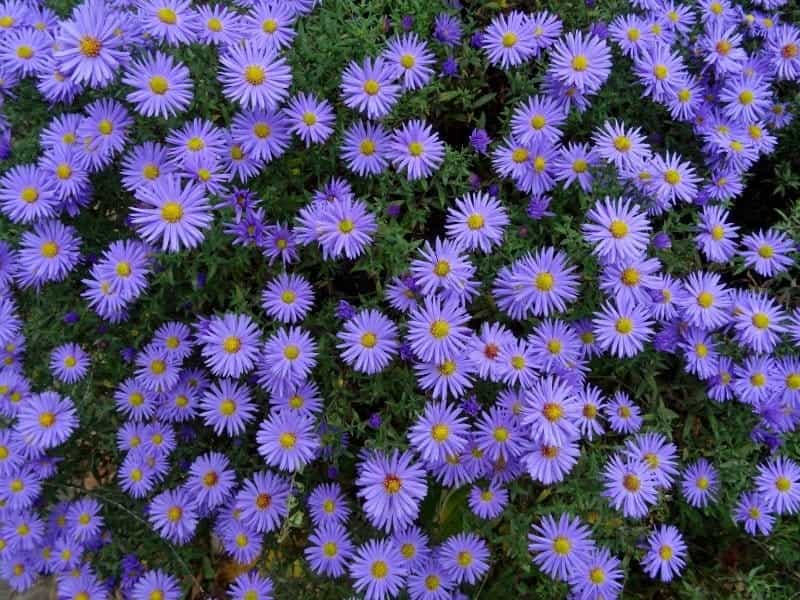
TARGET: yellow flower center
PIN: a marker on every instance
(371, 87)
(70, 362)
(175, 513)
(262, 130)
(167, 16)
(379, 569)
(622, 143)
(701, 350)
(631, 483)
(702, 483)
(346, 226)
(766, 251)
(269, 26)
(63, 171)
(760, 320)
(442, 268)
(214, 25)
(580, 62)
(520, 155)
(597, 576)
(254, 74)
(793, 381)
(746, 97)
(624, 325)
(518, 362)
(782, 484)
(618, 229)
(392, 484)
(6, 21)
(554, 346)
(291, 352)
(309, 118)
(754, 512)
(329, 549)
(758, 379)
(105, 127)
(24, 52)
(561, 546)
(539, 164)
(500, 434)
(29, 195)
(651, 460)
(415, 149)
(232, 344)
(665, 552)
(634, 34)
(328, 506)
(440, 329)
(475, 221)
(171, 212)
(158, 366)
(630, 276)
(509, 39)
(49, 249)
(790, 50)
(150, 171)
(159, 84)
(672, 177)
(464, 558)
(440, 432)
(367, 147)
(580, 166)
(236, 152)
(552, 411)
(589, 411)
(241, 540)
(288, 440)
(544, 281)
(705, 299)
(407, 61)
(447, 368)
(227, 407)
(263, 501)
(432, 583)
(408, 551)
(661, 72)
(369, 339)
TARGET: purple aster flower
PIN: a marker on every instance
(263, 134)
(173, 514)
(227, 407)
(84, 519)
(69, 363)
(672, 179)
(254, 76)
(617, 229)
(716, 236)
(327, 504)
(451, 377)
(754, 511)
(623, 147)
(546, 29)
(507, 40)
(47, 254)
(251, 586)
(377, 570)
(218, 25)
(104, 132)
(287, 298)
(368, 341)
(162, 86)
(403, 293)
(746, 98)
(700, 483)
(660, 70)
(263, 501)
(598, 576)
(437, 330)
(559, 547)
(721, 48)
(144, 165)
(370, 88)
(465, 557)
(707, 301)
(629, 486)
(767, 252)
(783, 48)
(230, 345)
(442, 269)
(778, 482)
(198, 137)
(581, 61)
(416, 149)
(170, 21)
(287, 440)
(345, 310)
(538, 120)
(173, 213)
(211, 479)
(623, 415)
(346, 227)
(174, 338)
(447, 29)
(480, 140)
(365, 148)
(270, 24)
(489, 502)
(439, 432)
(623, 329)
(476, 221)
(630, 279)
(539, 284)
(27, 194)
(26, 51)
(759, 321)
(666, 553)
(290, 354)
(392, 488)
(329, 550)
(593, 404)
(573, 164)
(310, 118)
(551, 411)
(412, 60)
(659, 455)
(156, 583)
(450, 67)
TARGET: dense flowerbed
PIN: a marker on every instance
(399, 298)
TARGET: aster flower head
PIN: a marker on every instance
(581, 61)
(310, 118)
(447, 29)
(270, 24)
(700, 483)
(437, 329)
(716, 235)
(599, 576)
(618, 229)
(218, 25)
(623, 329)
(759, 321)
(755, 513)
(173, 514)
(327, 504)
(263, 134)
(416, 149)
(230, 345)
(412, 60)
(768, 252)
(778, 482)
(368, 341)
(666, 553)
(254, 76)
(623, 415)
(440, 431)
(329, 548)
(659, 455)
(27, 194)
(660, 70)
(262, 501)
(156, 583)
(630, 486)
(476, 221)
(47, 420)
(707, 300)
(370, 88)
(69, 363)
(290, 354)
(507, 40)
(392, 488)
(288, 440)
(345, 229)
(465, 557)
(783, 48)
(624, 147)
(378, 570)
(227, 407)
(288, 298)
(170, 21)
(365, 148)
(172, 213)
(560, 546)
(551, 411)
(443, 269)
(162, 86)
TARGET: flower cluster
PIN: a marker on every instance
(718, 71)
